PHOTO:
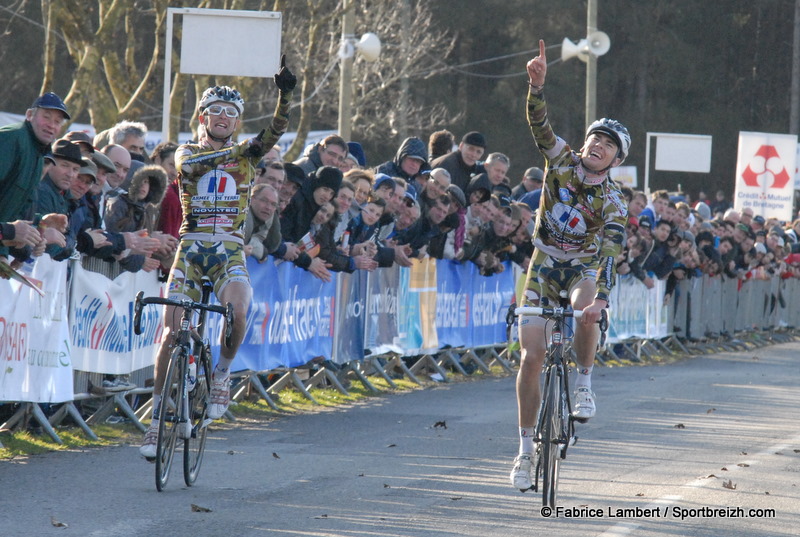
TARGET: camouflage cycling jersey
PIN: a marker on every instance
(215, 184)
(215, 193)
(579, 218)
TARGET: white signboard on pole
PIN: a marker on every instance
(678, 153)
(765, 169)
(683, 152)
(231, 42)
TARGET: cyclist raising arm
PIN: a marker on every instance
(580, 229)
(215, 180)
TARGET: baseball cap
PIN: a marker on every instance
(52, 101)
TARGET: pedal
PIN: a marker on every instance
(206, 423)
(572, 441)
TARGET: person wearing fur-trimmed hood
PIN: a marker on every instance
(138, 209)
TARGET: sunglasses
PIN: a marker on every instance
(218, 109)
(444, 200)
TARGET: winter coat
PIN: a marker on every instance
(411, 147)
(128, 213)
(20, 172)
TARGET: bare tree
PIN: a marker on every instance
(410, 52)
(111, 79)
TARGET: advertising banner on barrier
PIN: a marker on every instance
(34, 337)
(452, 305)
(381, 320)
(101, 321)
(417, 315)
(636, 311)
(470, 308)
(290, 320)
(350, 314)
(491, 297)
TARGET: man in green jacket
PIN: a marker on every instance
(22, 148)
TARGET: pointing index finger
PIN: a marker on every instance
(283, 60)
(541, 49)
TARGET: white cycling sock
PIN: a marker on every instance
(584, 378)
(224, 365)
(156, 406)
(525, 440)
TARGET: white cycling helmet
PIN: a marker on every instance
(615, 130)
(221, 93)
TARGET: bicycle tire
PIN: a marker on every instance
(551, 437)
(194, 446)
(169, 416)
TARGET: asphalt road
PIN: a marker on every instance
(672, 445)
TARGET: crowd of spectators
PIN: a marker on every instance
(109, 203)
(672, 238)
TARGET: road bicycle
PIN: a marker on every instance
(555, 425)
(183, 414)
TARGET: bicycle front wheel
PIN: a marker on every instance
(169, 416)
(552, 426)
(195, 444)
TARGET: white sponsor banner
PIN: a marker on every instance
(765, 170)
(34, 337)
(101, 322)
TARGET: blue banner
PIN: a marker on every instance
(382, 322)
(470, 308)
(290, 320)
(350, 313)
(452, 304)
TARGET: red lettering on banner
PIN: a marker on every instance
(762, 165)
(13, 340)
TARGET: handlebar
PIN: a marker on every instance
(560, 313)
(142, 301)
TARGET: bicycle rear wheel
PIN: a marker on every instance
(169, 416)
(194, 445)
(552, 427)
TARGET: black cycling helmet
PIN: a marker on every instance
(614, 129)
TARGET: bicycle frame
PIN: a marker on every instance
(182, 413)
(555, 425)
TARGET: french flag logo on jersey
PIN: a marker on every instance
(216, 186)
(212, 185)
(571, 222)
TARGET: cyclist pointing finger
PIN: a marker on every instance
(580, 229)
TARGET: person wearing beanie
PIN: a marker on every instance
(320, 188)
(463, 163)
(355, 149)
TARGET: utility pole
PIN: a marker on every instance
(591, 65)
(346, 72)
(794, 113)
